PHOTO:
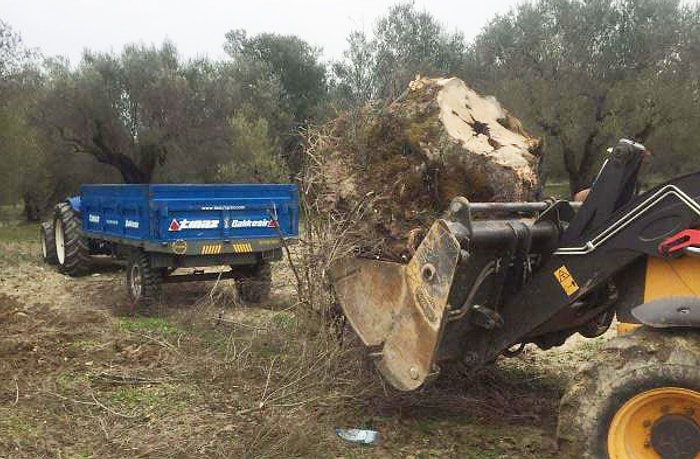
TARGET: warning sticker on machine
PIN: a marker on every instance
(566, 280)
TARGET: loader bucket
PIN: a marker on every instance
(401, 307)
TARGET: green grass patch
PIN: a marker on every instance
(11, 214)
(131, 398)
(213, 339)
(80, 455)
(287, 321)
(16, 253)
(153, 399)
(268, 348)
(590, 347)
(68, 381)
(25, 232)
(148, 325)
(16, 426)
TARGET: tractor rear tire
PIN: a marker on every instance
(143, 282)
(254, 282)
(639, 398)
(72, 250)
(48, 244)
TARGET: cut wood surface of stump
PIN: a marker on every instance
(382, 175)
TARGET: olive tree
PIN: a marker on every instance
(586, 71)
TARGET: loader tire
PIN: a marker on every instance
(72, 250)
(254, 282)
(48, 244)
(143, 282)
(639, 398)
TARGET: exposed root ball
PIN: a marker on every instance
(395, 168)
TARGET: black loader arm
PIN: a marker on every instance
(614, 187)
(613, 230)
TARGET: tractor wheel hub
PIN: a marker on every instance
(676, 436)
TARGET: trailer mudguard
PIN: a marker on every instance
(74, 202)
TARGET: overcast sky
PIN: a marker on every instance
(66, 27)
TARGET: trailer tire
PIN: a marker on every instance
(143, 282)
(639, 388)
(47, 238)
(72, 250)
(254, 282)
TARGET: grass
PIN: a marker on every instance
(71, 380)
(16, 426)
(158, 325)
(17, 236)
(286, 321)
(25, 232)
(11, 214)
(178, 384)
(590, 347)
(13, 227)
(132, 399)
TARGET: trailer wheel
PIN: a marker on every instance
(143, 282)
(72, 250)
(254, 282)
(639, 399)
(48, 244)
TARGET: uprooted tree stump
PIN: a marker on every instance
(379, 177)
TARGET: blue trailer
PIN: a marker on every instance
(157, 229)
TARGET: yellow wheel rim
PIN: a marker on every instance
(632, 427)
(624, 328)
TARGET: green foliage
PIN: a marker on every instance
(287, 60)
(15, 58)
(255, 154)
(145, 115)
(581, 73)
(19, 146)
(405, 42)
(125, 110)
(284, 81)
(587, 72)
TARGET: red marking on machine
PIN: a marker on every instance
(187, 224)
(174, 225)
(680, 241)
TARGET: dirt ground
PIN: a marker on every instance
(80, 377)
